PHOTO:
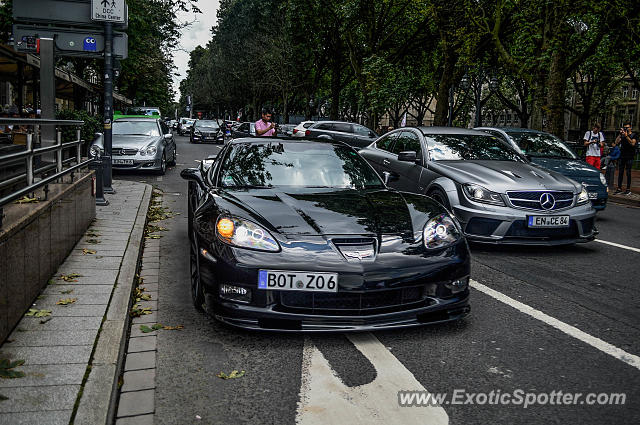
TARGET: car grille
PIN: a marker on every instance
(353, 302)
(531, 199)
(124, 151)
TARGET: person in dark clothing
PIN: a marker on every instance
(627, 140)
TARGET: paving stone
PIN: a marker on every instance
(137, 380)
(142, 360)
(49, 300)
(78, 289)
(106, 253)
(135, 331)
(143, 343)
(86, 275)
(39, 398)
(105, 263)
(149, 286)
(150, 279)
(136, 403)
(58, 323)
(40, 338)
(74, 310)
(50, 417)
(136, 420)
(49, 355)
(54, 374)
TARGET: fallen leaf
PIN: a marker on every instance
(7, 366)
(145, 297)
(153, 237)
(52, 281)
(27, 200)
(92, 234)
(86, 251)
(145, 329)
(173, 328)
(66, 301)
(233, 375)
(3, 398)
(136, 311)
(34, 312)
(71, 277)
(68, 291)
(93, 241)
(45, 320)
(157, 326)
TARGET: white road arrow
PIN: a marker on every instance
(325, 400)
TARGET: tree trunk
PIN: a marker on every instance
(336, 76)
(441, 115)
(557, 91)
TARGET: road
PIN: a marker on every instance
(543, 319)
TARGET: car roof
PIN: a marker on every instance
(262, 140)
(137, 119)
(514, 129)
(449, 130)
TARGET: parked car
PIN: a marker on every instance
(495, 192)
(303, 235)
(184, 126)
(139, 144)
(206, 131)
(301, 128)
(286, 130)
(246, 129)
(355, 135)
(547, 151)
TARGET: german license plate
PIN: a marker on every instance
(548, 221)
(593, 195)
(280, 280)
(122, 161)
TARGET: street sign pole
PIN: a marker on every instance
(108, 106)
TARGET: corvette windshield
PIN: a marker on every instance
(542, 145)
(299, 164)
(137, 128)
(456, 147)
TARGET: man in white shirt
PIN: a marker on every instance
(594, 140)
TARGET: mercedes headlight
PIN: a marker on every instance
(196, 131)
(440, 232)
(149, 150)
(602, 179)
(94, 151)
(478, 193)
(245, 234)
(583, 197)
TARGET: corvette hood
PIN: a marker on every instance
(500, 176)
(344, 212)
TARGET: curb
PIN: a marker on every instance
(97, 403)
(624, 200)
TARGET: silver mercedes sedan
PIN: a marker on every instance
(496, 194)
(139, 144)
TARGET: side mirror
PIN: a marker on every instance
(168, 136)
(389, 177)
(407, 156)
(193, 174)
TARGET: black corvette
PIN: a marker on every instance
(304, 236)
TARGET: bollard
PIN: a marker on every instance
(96, 165)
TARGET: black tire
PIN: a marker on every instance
(439, 196)
(174, 159)
(197, 294)
(163, 164)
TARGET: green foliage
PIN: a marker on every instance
(92, 125)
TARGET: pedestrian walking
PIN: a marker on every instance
(264, 126)
(627, 140)
(610, 164)
(594, 141)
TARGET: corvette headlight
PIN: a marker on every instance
(440, 232)
(245, 234)
(602, 179)
(478, 193)
(94, 151)
(583, 197)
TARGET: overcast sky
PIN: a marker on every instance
(197, 34)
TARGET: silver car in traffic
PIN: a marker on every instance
(139, 144)
(496, 194)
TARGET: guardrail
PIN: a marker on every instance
(33, 139)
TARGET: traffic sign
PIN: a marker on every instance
(69, 41)
(61, 13)
(108, 10)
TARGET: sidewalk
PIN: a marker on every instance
(634, 197)
(73, 353)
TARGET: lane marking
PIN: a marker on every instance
(617, 245)
(597, 343)
(325, 400)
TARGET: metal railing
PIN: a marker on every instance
(34, 150)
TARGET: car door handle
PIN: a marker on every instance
(386, 162)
